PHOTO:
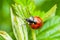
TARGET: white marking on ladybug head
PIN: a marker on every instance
(31, 18)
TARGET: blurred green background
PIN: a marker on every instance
(5, 18)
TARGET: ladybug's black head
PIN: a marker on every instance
(31, 20)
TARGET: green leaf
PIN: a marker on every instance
(5, 35)
(45, 16)
(18, 25)
(50, 30)
(51, 13)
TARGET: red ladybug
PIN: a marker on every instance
(35, 22)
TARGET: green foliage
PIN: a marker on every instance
(19, 12)
(22, 9)
(50, 30)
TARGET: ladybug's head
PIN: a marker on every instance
(31, 20)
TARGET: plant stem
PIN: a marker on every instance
(33, 34)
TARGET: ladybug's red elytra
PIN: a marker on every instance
(35, 22)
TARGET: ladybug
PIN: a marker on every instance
(35, 22)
